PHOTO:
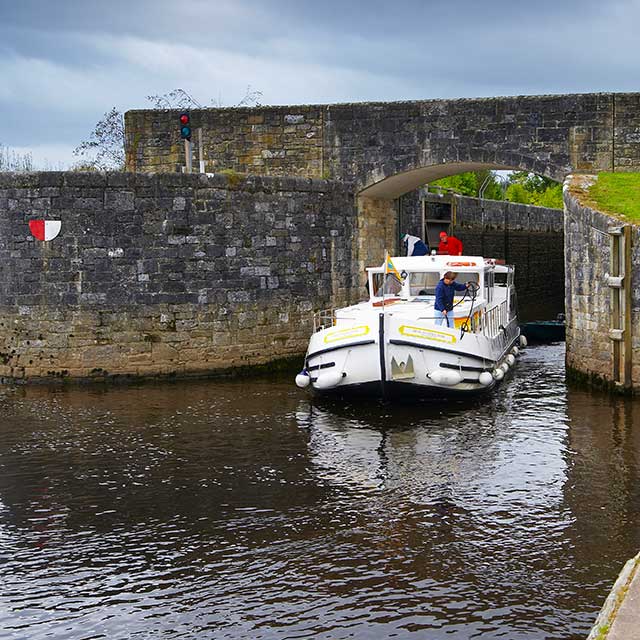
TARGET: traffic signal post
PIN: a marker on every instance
(185, 134)
(187, 155)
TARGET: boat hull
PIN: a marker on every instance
(391, 357)
(399, 390)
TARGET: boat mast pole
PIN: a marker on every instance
(383, 366)
(381, 319)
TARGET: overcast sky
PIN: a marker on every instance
(64, 63)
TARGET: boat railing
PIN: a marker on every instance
(324, 319)
(495, 320)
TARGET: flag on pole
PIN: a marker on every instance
(389, 267)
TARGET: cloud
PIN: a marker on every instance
(48, 157)
(64, 64)
(29, 81)
(207, 72)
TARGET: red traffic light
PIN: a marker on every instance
(185, 127)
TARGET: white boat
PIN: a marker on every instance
(392, 343)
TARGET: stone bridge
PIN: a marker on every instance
(388, 149)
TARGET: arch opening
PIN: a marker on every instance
(397, 185)
(497, 226)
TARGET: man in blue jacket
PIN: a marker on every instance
(415, 246)
(445, 292)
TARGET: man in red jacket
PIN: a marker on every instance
(449, 245)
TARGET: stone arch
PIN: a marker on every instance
(380, 189)
(394, 179)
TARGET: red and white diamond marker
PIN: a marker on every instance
(45, 230)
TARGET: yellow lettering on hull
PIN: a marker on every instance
(426, 334)
(346, 334)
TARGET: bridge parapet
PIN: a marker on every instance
(390, 148)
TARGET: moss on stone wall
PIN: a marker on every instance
(234, 178)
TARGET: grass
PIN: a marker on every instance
(603, 631)
(617, 193)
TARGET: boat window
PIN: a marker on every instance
(423, 283)
(513, 305)
(472, 276)
(392, 286)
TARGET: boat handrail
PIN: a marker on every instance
(495, 320)
(489, 322)
(323, 319)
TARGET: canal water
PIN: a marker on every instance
(248, 510)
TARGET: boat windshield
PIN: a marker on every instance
(423, 283)
(417, 283)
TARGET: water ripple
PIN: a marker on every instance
(177, 511)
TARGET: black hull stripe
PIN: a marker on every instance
(383, 370)
(447, 365)
(326, 365)
(426, 347)
(342, 346)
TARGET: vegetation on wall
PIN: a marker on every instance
(518, 186)
(105, 147)
(618, 194)
(11, 160)
(104, 150)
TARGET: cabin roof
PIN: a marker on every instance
(436, 263)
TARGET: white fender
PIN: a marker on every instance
(504, 366)
(328, 380)
(498, 374)
(485, 379)
(515, 351)
(445, 377)
(523, 341)
(511, 360)
(303, 379)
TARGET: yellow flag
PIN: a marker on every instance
(390, 268)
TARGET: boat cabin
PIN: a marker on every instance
(421, 274)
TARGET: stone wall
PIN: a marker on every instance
(167, 274)
(531, 238)
(373, 143)
(588, 298)
(274, 141)
(377, 232)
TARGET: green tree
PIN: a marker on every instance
(521, 186)
(530, 188)
(551, 197)
(462, 183)
(470, 183)
(516, 192)
(532, 181)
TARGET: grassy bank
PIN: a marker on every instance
(618, 194)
